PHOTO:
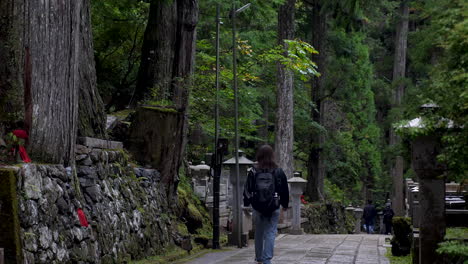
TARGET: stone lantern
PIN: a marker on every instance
(200, 178)
(297, 185)
(244, 164)
(431, 196)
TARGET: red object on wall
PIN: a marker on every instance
(23, 154)
(82, 217)
(20, 133)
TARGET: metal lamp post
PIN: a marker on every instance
(236, 103)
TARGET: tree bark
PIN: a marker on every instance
(91, 113)
(52, 35)
(42, 44)
(315, 166)
(167, 64)
(399, 69)
(157, 52)
(284, 139)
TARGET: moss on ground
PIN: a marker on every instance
(398, 260)
(161, 109)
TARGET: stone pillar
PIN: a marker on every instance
(358, 217)
(297, 185)
(431, 196)
(244, 163)
(351, 209)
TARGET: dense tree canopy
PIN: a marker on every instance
(348, 109)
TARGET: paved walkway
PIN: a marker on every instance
(311, 249)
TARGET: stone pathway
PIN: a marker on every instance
(311, 249)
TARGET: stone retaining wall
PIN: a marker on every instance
(328, 218)
(126, 207)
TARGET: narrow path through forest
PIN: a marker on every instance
(311, 249)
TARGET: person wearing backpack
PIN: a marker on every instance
(266, 189)
(387, 219)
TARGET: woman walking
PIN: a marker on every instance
(266, 189)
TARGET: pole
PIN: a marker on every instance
(217, 163)
(236, 127)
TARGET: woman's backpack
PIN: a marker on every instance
(265, 198)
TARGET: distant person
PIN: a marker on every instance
(266, 189)
(369, 217)
(387, 218)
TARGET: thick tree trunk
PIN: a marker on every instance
(157, 53)
(315, 166)
(284, 139)
(41, 47)
(91, 113)
(51, 40)
(399, 69)
(167, 65)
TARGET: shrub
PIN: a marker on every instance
(401, 241)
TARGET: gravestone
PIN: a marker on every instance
(431, 196)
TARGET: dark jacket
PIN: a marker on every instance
(369, 212)
(388, 214)
(281, 188)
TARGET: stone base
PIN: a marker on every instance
(415, 247)
(296, 231)
(244, 240)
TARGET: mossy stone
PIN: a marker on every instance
(9, 224)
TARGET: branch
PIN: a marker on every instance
(131, 62)
(335, 87)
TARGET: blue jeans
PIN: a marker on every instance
(265, 232)
(369, 226)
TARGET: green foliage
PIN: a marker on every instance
(456, 233)
(353, 158)
(455, 246)
(454, 250)
(118, 27)
(444, 76)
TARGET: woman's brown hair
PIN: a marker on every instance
(266, 158)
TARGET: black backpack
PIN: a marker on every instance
(265, 198)
(387, 215)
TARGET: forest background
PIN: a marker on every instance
(344, 117)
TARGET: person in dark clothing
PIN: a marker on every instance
(387, 219)
(369, 216)
(266, 189)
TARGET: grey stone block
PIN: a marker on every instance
(100, 143)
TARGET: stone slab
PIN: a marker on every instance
(311, 249)
(99, 143)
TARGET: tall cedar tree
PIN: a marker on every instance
(166, 67)
(399, 69)
(42, 73)
(315, 166)
(284, 140)
(91, 115)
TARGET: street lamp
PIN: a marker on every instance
(236, 110)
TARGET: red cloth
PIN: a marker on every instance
(20, 133)
(23, 154)
(82, 218)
